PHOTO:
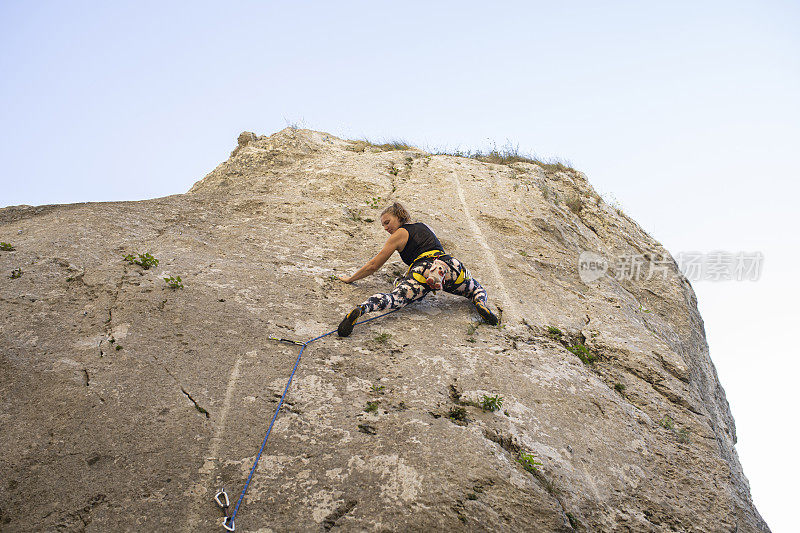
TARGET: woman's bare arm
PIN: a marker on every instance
(395, 241)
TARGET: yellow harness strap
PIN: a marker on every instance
(462, 276)
(419, 277)
(420, 256)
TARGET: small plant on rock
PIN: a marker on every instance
(619, 387)
(583, 353)
(528, 462)
(382, 337)
(143, 260)
(667, 422)
(174, 282)
(457, 413)
(573, 522)
(554, 332)
(491, 403)
(16, 273)
(5, 247)
(575, 204)
(371, 407)
(378, 389)
(374, 202)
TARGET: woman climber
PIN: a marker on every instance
(429, 269)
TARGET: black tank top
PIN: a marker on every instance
(421, 239)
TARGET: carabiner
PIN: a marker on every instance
(219, 501)
(298, 343)
(232, 527)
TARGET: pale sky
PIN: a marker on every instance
(686, 112)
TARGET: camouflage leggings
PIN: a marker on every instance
(408, 289)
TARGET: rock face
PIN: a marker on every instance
(127, 403)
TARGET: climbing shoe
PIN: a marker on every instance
(486, 314)
(346, 325)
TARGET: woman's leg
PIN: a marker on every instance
(468, 288)
(405, 292)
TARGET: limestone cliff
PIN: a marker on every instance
(126, 403)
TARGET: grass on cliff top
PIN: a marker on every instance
(386, 146)
(510, 154)
(503, 156)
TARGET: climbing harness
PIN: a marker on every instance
(462, 276)
(221, 497)
(430, 253)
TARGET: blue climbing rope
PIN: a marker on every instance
(228, 521)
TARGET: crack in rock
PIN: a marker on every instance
(196, 405)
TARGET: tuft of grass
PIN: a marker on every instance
(583, 353)
(378, 389)
(144, 260)
(573, 522)
(491, 403)
(16, 273)
(394, 170)
(382, 337)
(392, 145)
(5, 247)
(619, 387)
(681, 434)
(528, 462)
(575, 204)
(174, 282)
(371, 406)
(554, 332)
(387, 146)
(511, 153)
(457, 413)
(548, 194)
